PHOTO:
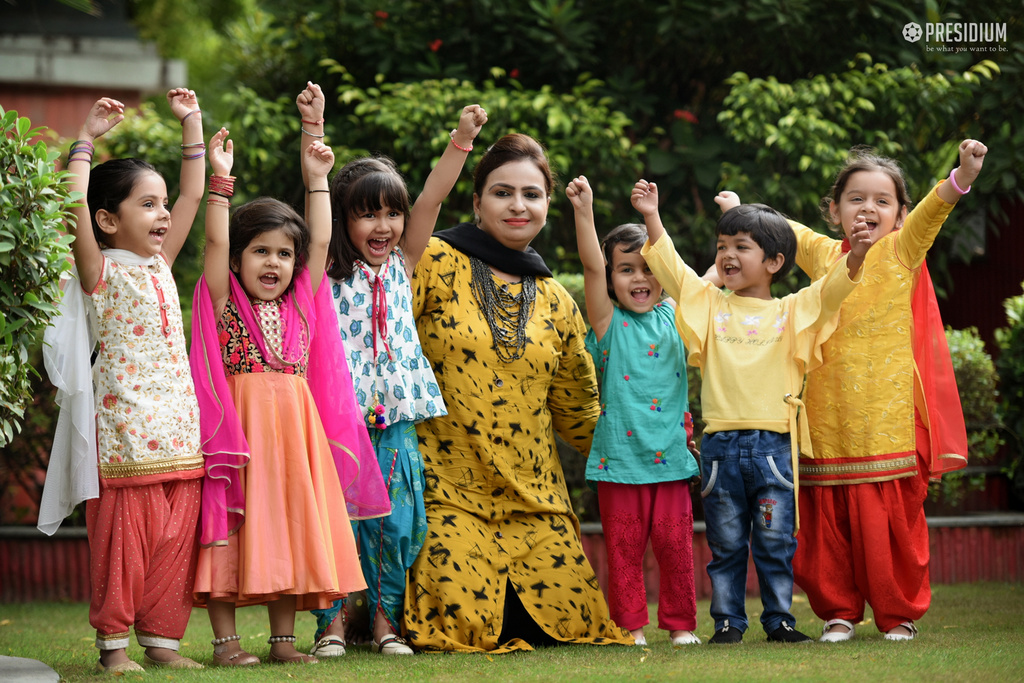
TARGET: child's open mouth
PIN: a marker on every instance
(269, 280)
(158, 234)
(640, 294)
(378, 247)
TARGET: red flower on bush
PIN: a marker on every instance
(687, 115)
(380, 14)
(514, 73)
(436, 45)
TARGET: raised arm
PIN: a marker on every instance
(217, 260)
(972, 157)
(317, 162)
(311, 109)
(439, 183)
(860, 242)
(645, 200)
(104, 115)
(185, 106)
(595, 281)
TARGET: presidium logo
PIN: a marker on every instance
(958, 36)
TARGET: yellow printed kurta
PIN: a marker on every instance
(861, 401)
(498, 510)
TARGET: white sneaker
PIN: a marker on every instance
(392, 645)
(686, 638)
(909, 625)
(830, 635)
(328, 646)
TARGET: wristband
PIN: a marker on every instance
(952, 181)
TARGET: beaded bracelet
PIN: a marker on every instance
(194, 111)
(952, 181)
(457, 145)
(281, 639)
(224, 185)
(226, 639)
(312, 135)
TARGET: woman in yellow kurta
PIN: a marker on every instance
(502, 567)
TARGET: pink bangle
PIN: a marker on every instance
(457, 145)
(952, 181)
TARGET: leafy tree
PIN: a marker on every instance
(34, 203)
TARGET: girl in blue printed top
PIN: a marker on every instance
(639, 458)
(376, 244)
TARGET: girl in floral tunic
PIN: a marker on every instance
(132, 408)
(287, 457)
(376, 244)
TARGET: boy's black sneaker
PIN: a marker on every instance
(727, 635)
(787, 634)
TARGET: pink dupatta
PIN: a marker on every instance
(309, 321)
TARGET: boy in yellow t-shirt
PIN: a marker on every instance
(753, 351)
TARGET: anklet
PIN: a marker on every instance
(226, 639)
(280, 639)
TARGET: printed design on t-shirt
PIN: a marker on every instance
(780, 322)
(722, 320)
(752, 322)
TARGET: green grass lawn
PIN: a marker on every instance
(973, 632)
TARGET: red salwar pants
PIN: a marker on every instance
(143, 552)
(632, 514)
(866, 542)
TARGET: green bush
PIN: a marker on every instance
(34, 202)
(976, 381)
(1010, 366)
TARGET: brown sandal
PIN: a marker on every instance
(297, 658)
(240, 658)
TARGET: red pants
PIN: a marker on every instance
(866, 542)
(142, 545)
(632, 514)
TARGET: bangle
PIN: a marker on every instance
(199, 155)
(87, 158)
(81, 147)
(457, 145)
(314, 123)
(224, 185)
(312, 135)
(312, 191)
(194, 111)
(219, 201)
(952, 181)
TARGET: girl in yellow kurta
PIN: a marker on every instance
(877, 427)
(502, 567)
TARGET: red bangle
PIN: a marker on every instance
(457, 145)
(223, 185)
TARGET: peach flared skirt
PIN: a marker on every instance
(296, 538)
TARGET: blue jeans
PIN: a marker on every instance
(747, 479)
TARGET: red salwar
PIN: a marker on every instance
(867, 542)
(632, 514)
(143, 550)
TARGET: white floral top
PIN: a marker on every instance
(147, 418)
(403, 382)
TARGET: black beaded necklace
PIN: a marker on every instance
(506, 314)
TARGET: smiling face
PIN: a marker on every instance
(743, 267)
(636, 289)
(870, 196)
(375, 233)
(142, 219)
(267, 264)
(513, 203)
